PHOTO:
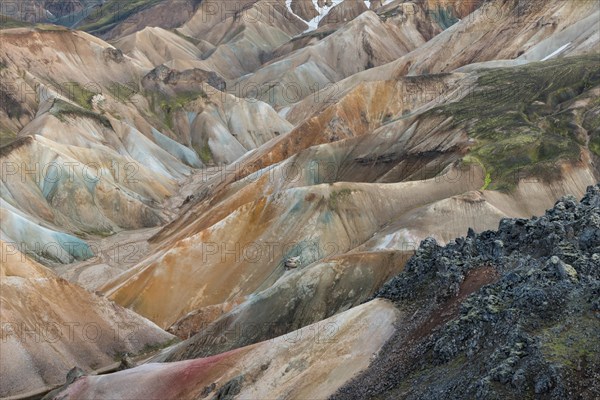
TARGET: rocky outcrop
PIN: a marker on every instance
(186, 80)
(503, 313)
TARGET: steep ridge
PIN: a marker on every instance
(297, 364)
(506, 313)
(40, 343)
(343, 12)
(364, 43)
(153, 46)
(205, 20)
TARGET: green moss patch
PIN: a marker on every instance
(168, 106)
(10, 23)
(337, 196)
(61, 109)
(77, 93)
(123, 92)
(205, 153)
(573, 343)
(111, 13)
(6, 137)
(519, 119)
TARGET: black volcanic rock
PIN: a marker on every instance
(509, 314)
(189, 79)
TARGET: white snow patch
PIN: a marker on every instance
(323, 11)
(557, 52)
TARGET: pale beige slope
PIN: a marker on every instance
(443, 220)
(50, 325)
(242, 33)
(216, 23)
(242, 54)
(363, 43)
(534, 196)
(153, 46)
(311, 363)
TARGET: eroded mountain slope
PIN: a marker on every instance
(49, 325)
